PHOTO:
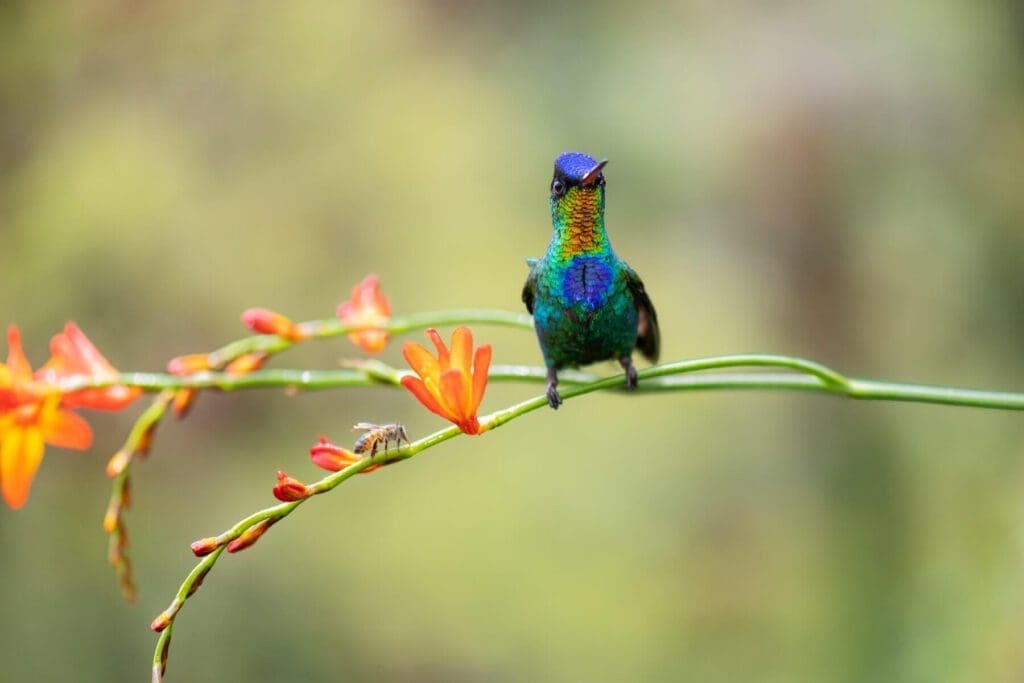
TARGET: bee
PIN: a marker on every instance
(373, 435)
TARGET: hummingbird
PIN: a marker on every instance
(587, 304)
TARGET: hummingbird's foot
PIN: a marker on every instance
(627, 364)
(554, 400)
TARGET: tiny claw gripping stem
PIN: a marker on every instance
(627, 364)
(554, 400)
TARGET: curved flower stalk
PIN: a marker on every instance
(801, 375)
(453, 384)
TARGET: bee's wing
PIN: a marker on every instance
(364, 426)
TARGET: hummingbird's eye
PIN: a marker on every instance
(557, 188)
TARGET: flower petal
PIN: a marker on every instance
(66, 429)
(110, 398)
(367, 295)
(442, 350)
(461, 358)
(420, 360)
(17, 364)
(453, 388)
(20, 454)
(8, 397)
(371, 341)
(462, 349)
(84, 352)
(481, 365)
(418, 389)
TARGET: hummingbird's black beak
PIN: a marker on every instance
(590, 177)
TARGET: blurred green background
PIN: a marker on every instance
(842, 180)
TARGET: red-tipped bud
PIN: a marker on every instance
(162, 621)
(289, 490)
(265, 321)
(118, 462)
(250, 536)
(187, 365)
(330, 456)
(183, 401)
(146, 440)
(246, 363)
(204, 546)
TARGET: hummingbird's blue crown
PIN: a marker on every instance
(574, 164)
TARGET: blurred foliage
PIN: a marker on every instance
(839, 180)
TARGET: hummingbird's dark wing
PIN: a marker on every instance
(528, 287)
(648, 337)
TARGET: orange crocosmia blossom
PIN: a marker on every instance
(367, 308)
(30, 416)
(73, 355)
(453, 384)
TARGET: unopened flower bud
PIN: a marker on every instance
(265, 321)
(112, 517)
(183, 401)
(146, 440)
(250, 536)
(118, 462)
(246, 363)
(330, 456)
(288, 489)
(187, 365)
(162, 621)
(205, 546)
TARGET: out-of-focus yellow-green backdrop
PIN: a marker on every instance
(841, 180)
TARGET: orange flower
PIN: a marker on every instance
(367, 308)
(30, 416)
(451, 385)
(30, 405)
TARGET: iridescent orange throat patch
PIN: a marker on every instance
(579, 217)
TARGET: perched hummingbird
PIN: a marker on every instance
(587, 305)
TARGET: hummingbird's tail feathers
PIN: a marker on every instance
(648, 336)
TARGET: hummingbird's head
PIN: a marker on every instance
(576, 170)
(577, 189)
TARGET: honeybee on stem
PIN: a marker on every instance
(374, 435)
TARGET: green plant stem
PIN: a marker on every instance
(808, 376)
(333, 327)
